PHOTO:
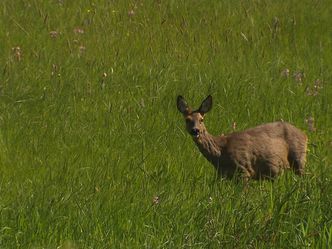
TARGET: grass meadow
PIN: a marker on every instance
(94, 154)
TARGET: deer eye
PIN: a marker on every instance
(201, 120)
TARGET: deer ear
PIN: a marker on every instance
(182, 105)
(206, 105)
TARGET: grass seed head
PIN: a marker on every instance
(314, 91)
(17, 53)
(285, 73)
(234, 126)
(54, 34)
(131, 13)
(78, 31)
(299, 77)
(55, 69)
(155, 200)
(311, 124)
(81, 49)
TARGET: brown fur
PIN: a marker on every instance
(258, 153)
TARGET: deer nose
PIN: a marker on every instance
(195, 132)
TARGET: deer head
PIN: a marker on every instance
(194, 119)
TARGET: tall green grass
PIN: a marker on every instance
(93, 153)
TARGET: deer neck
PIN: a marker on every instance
(210, 146)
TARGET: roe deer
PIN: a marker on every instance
(262, 152)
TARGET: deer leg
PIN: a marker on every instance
(298, 161)
(241, 173)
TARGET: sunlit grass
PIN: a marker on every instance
(94, 154)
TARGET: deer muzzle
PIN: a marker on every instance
(195, 132)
